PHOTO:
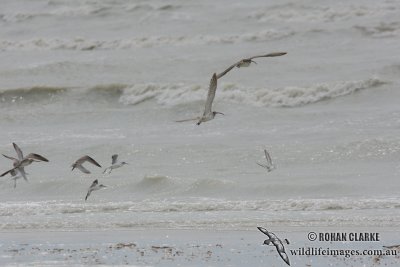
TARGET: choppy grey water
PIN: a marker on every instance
(103, 77)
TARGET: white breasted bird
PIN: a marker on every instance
(114, 164)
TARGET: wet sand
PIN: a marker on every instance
(181, 248)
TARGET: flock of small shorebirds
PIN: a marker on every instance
(21, 162)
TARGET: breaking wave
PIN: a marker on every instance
(382, 30)
(298, 12)
(195, 204)
(141, 41)
(178, 94)
(290, 96)
(59, 10)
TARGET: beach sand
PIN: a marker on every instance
(182, 248)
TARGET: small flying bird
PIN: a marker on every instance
(15, 174)
(78, 164)
(22, 161)
(274, 240)
(269, 165)
(95, 186)
(114, 164)
(208, 114)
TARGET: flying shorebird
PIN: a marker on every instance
(78, 164)
(114, 164)
(274, 240)
(95, 186)
(269, 165)
(208, 114)
(15, 174)
(22, 161)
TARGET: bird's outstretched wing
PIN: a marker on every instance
(277, 243)
(88, 194)
(82, 169)
(36, 157)
(13, 172)
(21, 170)
(267, 157)
(211, 94)
(280, 248)
(284, 256)
(264, 166)
(264, 231)
(249, 60)
(7, 172)
(95, 182)
(19, 151)
(114, 159)
(13, 159)
(274, 54)
(88, 159)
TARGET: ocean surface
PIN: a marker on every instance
(103, 77)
